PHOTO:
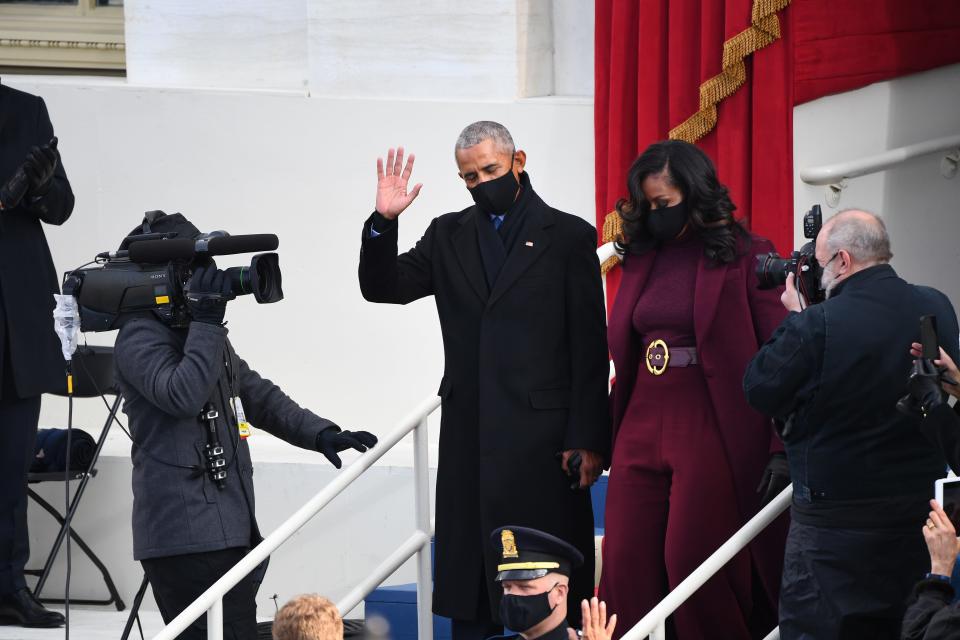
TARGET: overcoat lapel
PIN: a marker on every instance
(532, 241)
(706, 296)
(468, 254)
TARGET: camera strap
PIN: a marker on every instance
(240, 417)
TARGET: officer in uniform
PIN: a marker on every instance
(534, 572)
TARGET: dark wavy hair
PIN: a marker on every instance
(709, 207)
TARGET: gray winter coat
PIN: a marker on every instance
(166, 376)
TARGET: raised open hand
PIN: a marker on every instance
(392, 194)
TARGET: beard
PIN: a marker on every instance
(827, 285)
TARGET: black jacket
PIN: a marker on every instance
(930, 615)
(166, 376)
(833, 374)
(525, 378)
(28, 279)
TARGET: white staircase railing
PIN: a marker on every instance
(654, 623)
(834, 173)
(835, 176)
(211, 602)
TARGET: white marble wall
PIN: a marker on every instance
(921, 208)
(433, 49)
(217, 43)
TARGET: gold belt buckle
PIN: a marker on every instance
(657, 362)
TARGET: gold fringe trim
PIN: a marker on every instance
(763, 30)
(612, 232)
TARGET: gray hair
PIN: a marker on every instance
(477, 132)
(862, 234)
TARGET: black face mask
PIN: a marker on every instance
(495, 197)
(519, 613)
(667, 223)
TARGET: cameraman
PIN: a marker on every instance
(33, 190)
(188, 528)
(861, 472)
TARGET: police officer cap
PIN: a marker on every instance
(528, 554)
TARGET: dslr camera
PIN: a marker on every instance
(772, 268)
(151, 272)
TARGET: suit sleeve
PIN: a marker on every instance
(589, 417)
(176, 382)
(767, 313)
(267, 407)
(391, 278)
(778, 379)
(55, 206)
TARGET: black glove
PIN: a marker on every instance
(13, 190)
(332, 440)
(39, 167)
(775, 479)
(925, 392)
(207, 294)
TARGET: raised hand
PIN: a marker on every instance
(942, 542)
(392, 180)
(595, 623)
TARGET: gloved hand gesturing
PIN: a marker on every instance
(332, 440)
(207, 294)
(39, 166)
(775, 479)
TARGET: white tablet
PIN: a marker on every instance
(947, 493)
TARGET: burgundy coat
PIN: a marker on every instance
(732, 318)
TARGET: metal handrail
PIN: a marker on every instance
(654, 622)
(212, 599)
(835, 173)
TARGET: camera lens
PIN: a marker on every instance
(262, 278)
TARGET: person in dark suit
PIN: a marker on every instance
(688, 451)
(518, 291)
(862, 471)
(33, 189)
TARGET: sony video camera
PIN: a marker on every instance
(772, 269)
(152, 269)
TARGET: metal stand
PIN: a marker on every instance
(135, 610)
(84, 477)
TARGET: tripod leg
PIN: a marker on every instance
(135, 610)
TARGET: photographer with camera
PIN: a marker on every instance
(33, 190)
(190, 400)
(861, 472)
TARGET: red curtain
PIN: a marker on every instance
(846, 44)
(652, 56)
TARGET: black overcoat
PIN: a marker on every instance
(28, 279)
(525, 378)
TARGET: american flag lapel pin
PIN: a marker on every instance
(529, 243)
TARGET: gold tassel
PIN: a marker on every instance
(612, 232)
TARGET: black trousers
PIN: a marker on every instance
(18, 434)
(848, 584)
(179, 580)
